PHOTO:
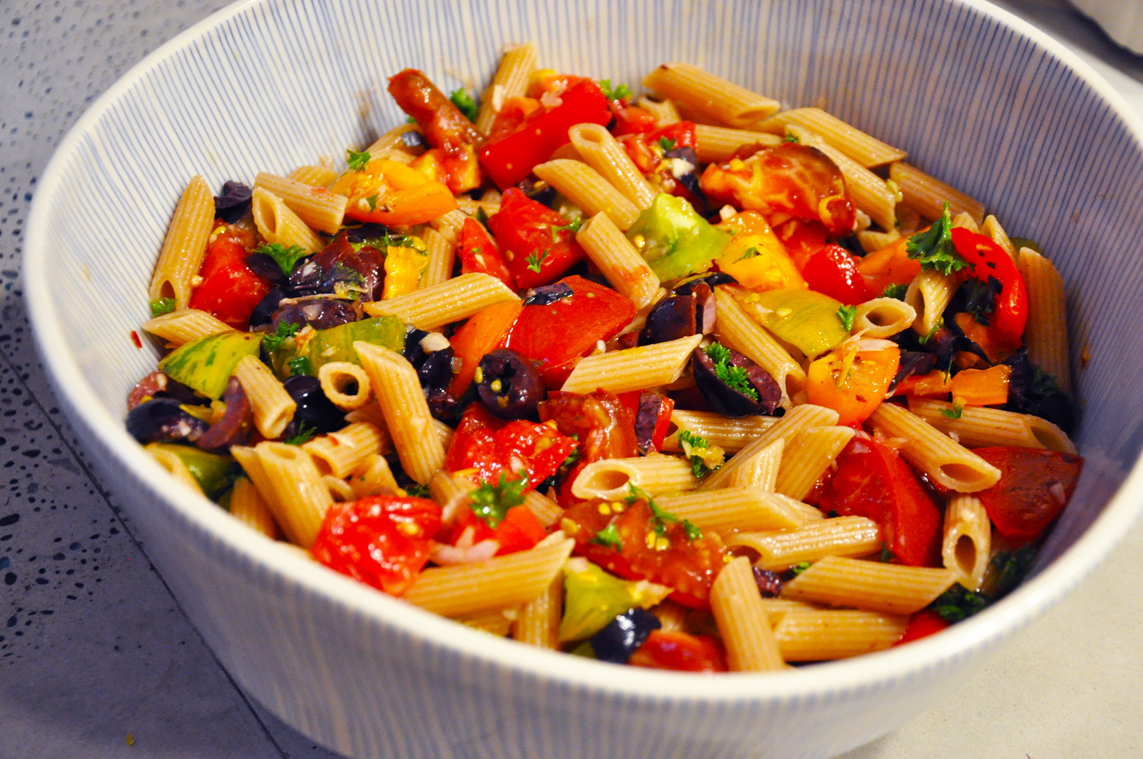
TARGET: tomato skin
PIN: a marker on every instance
(492, 447)
(1034, 488)
(873, 481)
(603, 424)
(518, 531)
(229, 289)
(833, 271)
(802, 239)
(478, 254)
(680, 652)
(523, 227)
(557, 335)
(383, 541)
(509, 159)
(921, 625)
(863, 388)
(988, 259)
(889, 266)
(631, 119)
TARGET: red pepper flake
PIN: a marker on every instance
(135, 339)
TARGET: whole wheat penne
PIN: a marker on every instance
(602, 152)
(617, 258)
(980, 426)
(714, 144)
(345, 384)
(928, 296)
(664, 111)
(742, 622)
(950, 464)
(761, 468)
(174, 465)
(840, 536)
(740, 332)
(612, 479)
(711, 96)
(319, 208)
(278, 224)
(539, 620)
(795, 420)
(883, 317)
(928, 195)
(587, 188)
(315, 176)
(186, 326)
(450, 301)
(248, 507)
(865, 150)
(1047, 332)
(807, 457)
(632, 369)
(967, 542)
(300, 497)
(735, 509)
(442, 257)
(373, 476)
(273, 406)
(991, 227)
(821, 635)
(869, 585)
(344, 451)
(184, 246)
(510, 81)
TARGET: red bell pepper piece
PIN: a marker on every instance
(491, 447)
(631, 119)
(518, 531)
(511, 158)
(872, 481)
(557, 335)
(534, 255)
(989, 260)
(681, 652)
(479, 254)
(921, 625)
(1034, 487)
(229, 289)
(833, 271)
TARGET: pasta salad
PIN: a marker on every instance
(682, 380)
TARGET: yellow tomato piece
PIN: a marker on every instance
(403, 267)
(852, 383)
(982, 387)
(756, 257)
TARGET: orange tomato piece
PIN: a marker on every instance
(387, 192)
(852, 382)
(478, 337)
(889, 266)
(982, 387)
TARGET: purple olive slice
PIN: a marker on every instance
(732, 402)
(509, 387)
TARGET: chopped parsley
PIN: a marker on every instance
(573, 227)
(491, 502)
(300, 367)
(1005, 571)
(304, 435)
(700, 453)
(847, 314)
(358, 161)
(886, 555)
(929, 336)
(464, 103)
(660, 518)
(800, 567)
(751, 252)
(791, 138)
(285, 329)
(980, 298)
(895, 291)
(934, 247)
(534, 261)
(619, 92)
(734, 377)
(667, 144)
(957, 603)
(608, 537)
(162, 306)
(286, 258)
(372, 201)
(417, 490)
(481, 215)
(956, 410)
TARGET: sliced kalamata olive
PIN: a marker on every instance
(367, 231)
(688, 179)
(441, 405)
(266, 267)
(236, 423)
(645, 420)
(539, 191)
(509, 387)
(624, 634)
(159, 385)
(706, 312)
(314, 410)
(162, 420)
(419, 345)
(436, 370)
(264, 312)
(711, 279)
(358, 270)
(547, 294)
(672, 318)
(912, 363)
(730, 401)
(414, 139)
(319, 313)
(768, 582)
(306, 278)
(233, 203)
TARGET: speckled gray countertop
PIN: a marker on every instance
(97, 660)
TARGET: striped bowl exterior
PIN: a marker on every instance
(979, 99)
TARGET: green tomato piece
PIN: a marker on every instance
(803, 318)
(214, 472)
(594, 598)
(336, 344)
(674, 239)
(206, 364)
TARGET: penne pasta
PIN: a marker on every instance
(248, 507)
(734, 509)
(346, 450)
(442, 257)
(585, 187)
(868, 191)
(710, 96)
(742, 620)
(602, 152)
(980, 426)
(632, 369)
(373, 477)
(1047, 332)
(665, 112)
(806, 635)
(731, 435)
(450, 301)
(927, 195)
(293, 488)
(315, 176)
(883, 317)
(739, 331)
(949, 464)
(867, 151)
(617, 258)
(174, 465)
(761, 469)
(186, 326)
(807, 457)
(278, 224)
(714, 144)
(273, 406)
(795, 420)
(317, 207)
(928, 296)
(539, 620)
(869, 585)
(510, 81)
(184, 247)
(967, 541)
(345, 384)
(812, 541)
(612, 479)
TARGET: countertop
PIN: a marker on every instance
(97, 660)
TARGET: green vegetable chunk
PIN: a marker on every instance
(674, 239)
(206, 364)
(806, 319)
(594, 598)
(213, 472)
(336, 344)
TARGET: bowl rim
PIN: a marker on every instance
(923, 657)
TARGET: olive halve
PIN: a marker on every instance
(731, 401)
(163, 420)
(315, 411)
(509, 387)
(672, 318)
(624, 635)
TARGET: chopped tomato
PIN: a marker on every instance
(478, 337)
(982, 387)
(1010, 314)
(670, 558)
(511, 115)
(933, 383)
(872, 481)
(851, 381)
(1034, 487)
(518, 531)
(479, 254)
(801, 238)
(631, 119)
(653, 435)
(601, 422)
(510, 158)
(921, 625)
(755, 257)
(680, 652)
(889, 266)
(833, 271)
(387, 192)
(229, 290)
(442, 123)
(648, 150)
(383, 541)
(536, 251)
(557, 335)
(486, 447)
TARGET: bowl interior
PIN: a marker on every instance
(981, 102)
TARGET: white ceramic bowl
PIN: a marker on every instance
(977, 97)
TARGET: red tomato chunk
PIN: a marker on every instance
(1034, 487)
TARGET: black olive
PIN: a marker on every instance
(509, 387)
(646, 419)
(729, 401)
(414, 139)
(233, 203)
(235, 425)
(768, 582)
(361, 270)
(367, 231)
(306, 278)
(162, 420)
(690, 180)
(912, 362)
(624, 635)
(710, 279)
(546, 295)
(264, 312)
(314, 410)
(539, 191)
(436, 369)
(672, 318)
(319, 314)
(266, 267)
(413, 351)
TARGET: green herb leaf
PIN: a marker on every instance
(372, 201)
(305, 434)
(800, 567)
(660, 518)
(667, 144)
(1008, 568)
(751, 252)
(417, 490)
(573, 227)
(481, 215)
(847, 314)
(300, 367)
(608, 537)
(957, 603)
(734, 376)
(690, 443)
(162, 306)
(464, 103)
(895, 291)
(980, 298)
(534, 261)
(286, 258)
(791, 138)
(693, 532)
(954, 412)
(491, 502)
(285, 329)
(934, 247)
(619, 92)
(929, 336)
(886, 555)
(358, 161)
